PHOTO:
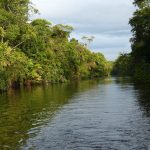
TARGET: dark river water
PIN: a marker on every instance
(106, 114)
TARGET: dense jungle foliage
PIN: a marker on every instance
(137, 63)
(37, 51)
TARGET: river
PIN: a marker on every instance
(104, 114)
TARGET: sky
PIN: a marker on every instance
(106, 20)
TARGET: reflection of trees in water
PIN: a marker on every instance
(142, 92)
(30, 108)
(144, 97)
(123, 81)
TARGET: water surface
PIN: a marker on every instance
(87, 115)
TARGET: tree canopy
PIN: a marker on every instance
(36, 51)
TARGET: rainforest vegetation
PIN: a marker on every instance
(35, 51)
(137, 63)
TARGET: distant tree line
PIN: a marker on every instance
(137, 63)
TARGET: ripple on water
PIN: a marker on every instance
(91, 115)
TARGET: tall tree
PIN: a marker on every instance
(14, 15)
(141, 31)
(88, 40)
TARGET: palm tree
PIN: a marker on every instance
(88, 40)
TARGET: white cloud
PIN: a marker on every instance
(107, 20)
